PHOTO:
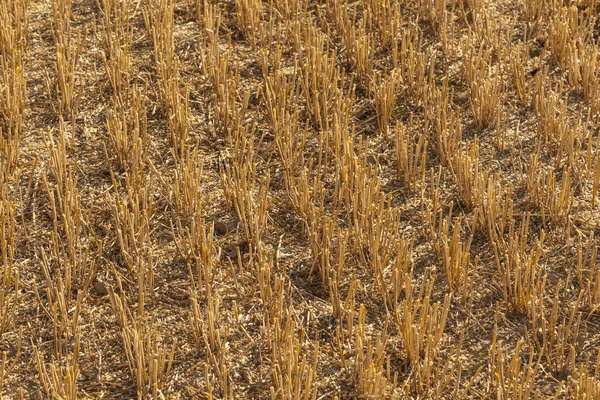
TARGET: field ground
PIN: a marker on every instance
(299, 199)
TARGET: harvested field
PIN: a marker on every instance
(299, 199)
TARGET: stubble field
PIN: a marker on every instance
(299, 199)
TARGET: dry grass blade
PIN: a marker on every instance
(455, 257)
(294, 376)
(512, 378)
(131, 214)
(148, 357)
(466, 171)
(411, 157)
(518, 66)
(247, 192)
(210, 334)
(386, 89)
(370, 361)
(554, 199)
(118, 37)
(187, 193)
(557, 338)
(61, 309)
(585, 384)
(319, 76)
(69, 46)
(174, 94)
(60, 381)
(442, 124)
(421, 325)
(9, 281)
(14, 21)
(128, 134)
(521, 275)
(249, 15)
